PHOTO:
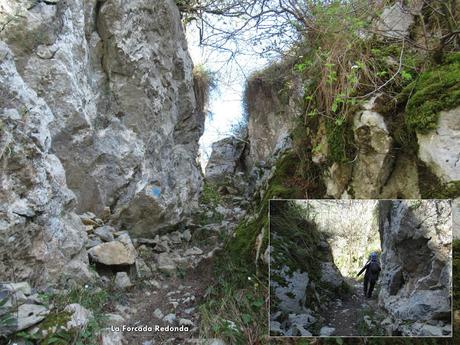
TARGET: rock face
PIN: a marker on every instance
(439, 149)
(98, 113)
(395, 22)
(271, 116)
(226, 159)
(41, 238)
(374, 160)
(416, 263)
(118, 79)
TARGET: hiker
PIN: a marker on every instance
(372, 269)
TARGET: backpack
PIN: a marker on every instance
(374, 267)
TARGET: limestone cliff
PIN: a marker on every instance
(378, 166)
(98, 111)
(416, 282)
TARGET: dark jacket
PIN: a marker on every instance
(372, 269)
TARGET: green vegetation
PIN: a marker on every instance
(234, 307)
(209, 195)
(337, 64)
(372, 329)
(204, 82)
(431, 187)
(294, 239)
(238, 277)
(51, 330)
(340, 140)
(434, 90)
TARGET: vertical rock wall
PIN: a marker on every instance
(97, 110)
(271, 112)
(41, 238)
(383, 165)
(416, 279)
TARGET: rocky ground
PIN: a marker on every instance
(157, 282)
(354, 314)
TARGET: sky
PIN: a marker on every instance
(225, 103)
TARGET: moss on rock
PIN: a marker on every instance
(435, 90)
(431, 187)
(340, 141)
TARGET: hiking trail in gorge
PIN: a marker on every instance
(173, 298)
(353, 314)
(175, 303)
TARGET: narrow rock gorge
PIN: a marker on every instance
(314, 268)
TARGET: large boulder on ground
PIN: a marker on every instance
(113, 253)
(226, 159)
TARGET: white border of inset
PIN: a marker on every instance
(363, 336)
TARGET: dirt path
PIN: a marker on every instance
(355, 314)
(174, 298)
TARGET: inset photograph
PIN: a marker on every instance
(361, 268)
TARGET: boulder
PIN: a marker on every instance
(113, 253)
(105, 233)
(374, 142)
(28, 315)
(122, 281)
(79, 316)
(395, 22)
(225, 159)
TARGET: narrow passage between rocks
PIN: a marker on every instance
(354, 314)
